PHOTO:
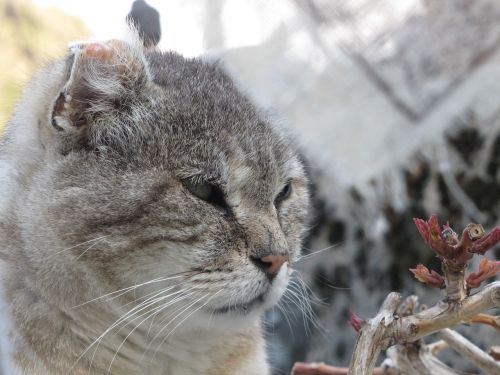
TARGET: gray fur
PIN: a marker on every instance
(93, 201)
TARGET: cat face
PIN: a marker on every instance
(160, 173)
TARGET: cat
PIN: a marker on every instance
(149, 214)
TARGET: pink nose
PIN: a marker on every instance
(270, 264)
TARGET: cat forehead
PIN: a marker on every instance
(192, 119)
(204, 118)
(233, 157)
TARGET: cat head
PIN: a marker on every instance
(159, 175)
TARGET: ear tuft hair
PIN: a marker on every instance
(102, 77)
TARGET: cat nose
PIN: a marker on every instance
(270, 264)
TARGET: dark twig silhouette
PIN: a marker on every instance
(147, 21)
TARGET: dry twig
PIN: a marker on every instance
(322, 369)
(400, 331)
(493, 321)
(463, 346)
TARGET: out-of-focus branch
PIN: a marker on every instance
(487, 268)
(463, 346)
(456, 191)
(437, 347)
(495, 352)
(322, 369)
(415, 359)
(493, 321)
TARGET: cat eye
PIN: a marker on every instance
(206, 191)
(284, 193)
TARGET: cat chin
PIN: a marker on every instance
(238, 316)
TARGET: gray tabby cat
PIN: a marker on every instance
(149, 214)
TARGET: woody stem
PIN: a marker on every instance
(456, 288)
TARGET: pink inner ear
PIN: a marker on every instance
(98, 51)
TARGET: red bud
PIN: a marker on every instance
(487, 268)
(431, 278)
(356, 322)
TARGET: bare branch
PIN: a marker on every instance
(399, 330)
(415, 359)
(323, 369)
(373, 337)
(444, 315)
(437, 347)
(495, 352)
(384, 330)
(456, 287)
(463, 346)
(491, 320)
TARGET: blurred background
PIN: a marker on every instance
(395, 105)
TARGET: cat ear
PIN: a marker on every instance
(103, 78)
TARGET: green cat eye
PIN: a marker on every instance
(206, 191)
(201, 190)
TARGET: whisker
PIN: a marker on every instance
(194, 311)
(298, 302)
(80, 244)
(314, 318)
(150, 313)
(127, 315)
(326, 282)
(118, 322)
(307, 256)
(298, 286)
(315, 299)
(284, 311)
(151, 303)
(133, 287)
(159, 323)
(87, 249)
(183, 320)
(172, 320)
(176, 316)
(136, 327)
